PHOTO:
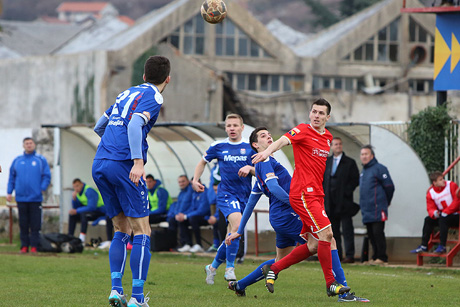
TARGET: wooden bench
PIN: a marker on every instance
(449, 255)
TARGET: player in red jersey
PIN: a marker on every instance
(311, 144)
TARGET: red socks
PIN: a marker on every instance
(325, 259)
(298, 254)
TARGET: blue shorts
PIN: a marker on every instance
(118, 192)
(229, 204)
(288, 234)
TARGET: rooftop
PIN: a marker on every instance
(81, 6)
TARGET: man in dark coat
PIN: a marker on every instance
(375, 193)
(341, 178)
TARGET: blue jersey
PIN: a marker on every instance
(231, 157)
(141, 100)
(281, 214)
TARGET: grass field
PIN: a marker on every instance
(178, 280)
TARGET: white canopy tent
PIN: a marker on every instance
(174, 149)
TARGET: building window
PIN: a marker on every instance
(190, 37)
(418, 36)
(420, 86)
(266, 82)
(382, 47)
(232, 41)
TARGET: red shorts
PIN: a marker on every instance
(311, 212)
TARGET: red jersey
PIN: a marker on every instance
(311, 149)
(442, 199)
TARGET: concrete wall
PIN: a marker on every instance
(51, 90)
(195, 93)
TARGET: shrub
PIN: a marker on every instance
(427, 133)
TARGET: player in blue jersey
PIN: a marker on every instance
(118, 171)
(274, 181)
(234, 158)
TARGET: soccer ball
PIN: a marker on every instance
(213, 11)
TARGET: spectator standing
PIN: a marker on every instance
(29, 176)
(375, 193)
(442, 208)
(87, 205)
(159, 200)
(341, 178)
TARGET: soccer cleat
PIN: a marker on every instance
(129, 246)
(24, 249)
(117, 299)
(230, 274)
(270, 278)
(212, 249)
(209, 275)
(134, 303)
(233, 285)
(351, 297)
(441, 249)
(335, 288)
(420, 249)
(33, 250)
(105, 245)
(183, 249)
(196, 249)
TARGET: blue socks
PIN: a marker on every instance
(337, 270)
(254, 276)
(232, 250)
(220, 256)
(117, 259)
(140, 261)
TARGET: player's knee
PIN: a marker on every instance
(312, 246)
(326, 235)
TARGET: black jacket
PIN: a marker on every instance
(347, 177)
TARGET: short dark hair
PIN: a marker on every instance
(435, 175)
(322, 102)
(337, 138)
(27, 139)
(369, 146)
(185, 176)
(253, 138)
(157, 69)
(150, 176)
(76, 180)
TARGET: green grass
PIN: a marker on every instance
(178, 280)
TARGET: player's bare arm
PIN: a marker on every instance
(137, 171)
(246, 170)
(199, 169)
(275, 146)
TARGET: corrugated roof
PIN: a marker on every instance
(316, 45)
(81, 6)
(35, 38)
(6, 53)
(90, 38)
(286, 34)
(143, 24)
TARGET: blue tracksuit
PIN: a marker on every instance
(29, 176)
